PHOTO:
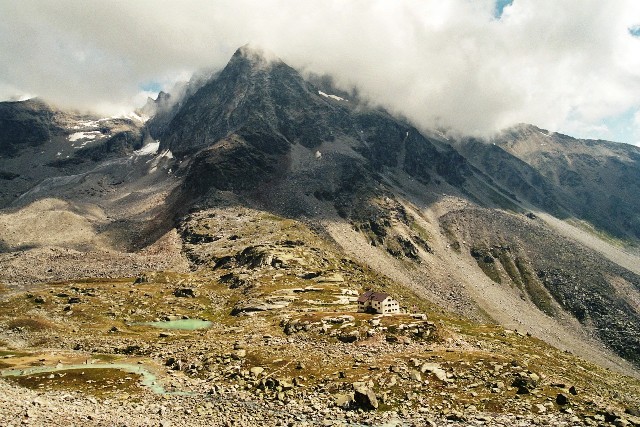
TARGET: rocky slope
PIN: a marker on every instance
(284, 345)
(595, 181)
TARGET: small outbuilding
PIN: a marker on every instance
(377, 302)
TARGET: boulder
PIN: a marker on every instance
(256, 371)
(349, 337)
(562, 399)
(538, 408)
(391, 339)
(456, 416)
(184, 293)
(285, 383)
(143, 278)
(365, 398)
(343, 400)
(239, 354)
(252, 306)
(435, 369)
(632, 411)
(524, 382)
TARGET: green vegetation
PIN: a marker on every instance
(31, 324)
(485, 260)
(420, 231)
(536, 291)
(510, 267)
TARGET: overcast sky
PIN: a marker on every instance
(475, 66)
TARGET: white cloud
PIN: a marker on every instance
(449, 63)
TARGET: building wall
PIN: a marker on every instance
(388, 305)
(363, 307)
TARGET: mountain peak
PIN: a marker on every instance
(255, 55)
(255, 90)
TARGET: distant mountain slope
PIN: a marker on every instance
(40, 143)
(596, 181)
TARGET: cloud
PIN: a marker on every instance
(448, 63)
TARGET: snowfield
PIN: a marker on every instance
(336, 97)
(85, 135)
(150, 148)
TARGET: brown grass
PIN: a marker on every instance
(32, 324)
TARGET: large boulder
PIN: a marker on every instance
(365, 398)
(185, 293)
(349, 337)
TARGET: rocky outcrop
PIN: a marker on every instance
(25, 124)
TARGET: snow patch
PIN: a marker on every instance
(155, 161)
(85, 135)
(81, 144)
(443, 135)
(336, 97)
(167, 153)
(83, 124)
(150, 148)
(544, 134)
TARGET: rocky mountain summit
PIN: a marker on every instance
(200, 261)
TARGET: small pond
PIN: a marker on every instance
(182, 324)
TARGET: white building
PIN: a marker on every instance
(377, 302)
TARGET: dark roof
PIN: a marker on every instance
(372, 296)
(365, 297)
(379, 296)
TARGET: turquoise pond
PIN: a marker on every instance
(182, 324)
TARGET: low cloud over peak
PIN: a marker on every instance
(456, 64)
